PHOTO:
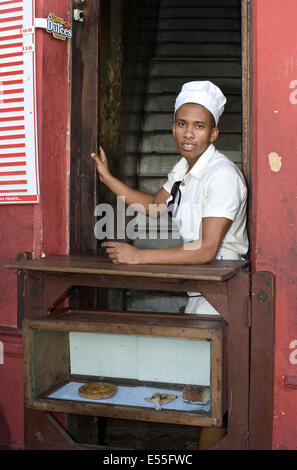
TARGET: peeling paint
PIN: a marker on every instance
(39, 436)
(275, 161)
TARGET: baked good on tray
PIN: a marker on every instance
(196, 394)
(97, 390)
(161, 399)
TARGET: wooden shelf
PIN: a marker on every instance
(114, 322)
(215, 271)
(192, 417)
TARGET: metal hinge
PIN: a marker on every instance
(78, 12)
(78, 15)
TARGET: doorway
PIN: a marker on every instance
(130, 60)
(148, 50)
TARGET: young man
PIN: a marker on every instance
(205, 192)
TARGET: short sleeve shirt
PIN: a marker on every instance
(214, 187)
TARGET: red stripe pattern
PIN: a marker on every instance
(18, 150)
(6, 2)
(8, 164)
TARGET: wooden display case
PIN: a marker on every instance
(48, 365)
(44, 284)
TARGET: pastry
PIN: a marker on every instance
(196, 394)
(97, 390)
(161, 399)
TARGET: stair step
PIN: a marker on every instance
(198, 68)
(156, 165)
(199, 11)
(153, 228)
(207, 37)
(198, 49)
(196, 40)
(163, 121)
(202, 3)
(159, 165)
(153, 180)
(173, 84)
(202, 24)
(151, 185)
(165, 103)
(163, 142)
(193, 59)
(155, 302)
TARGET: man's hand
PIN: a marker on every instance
(102, 165)
(122, 253)
(198, 252)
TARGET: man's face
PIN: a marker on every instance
(193, 131)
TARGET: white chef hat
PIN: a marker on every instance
(205, 93)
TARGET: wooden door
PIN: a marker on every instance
(84, 129)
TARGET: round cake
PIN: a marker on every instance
(196, 393)
(97, 390)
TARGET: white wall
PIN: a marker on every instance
(140, 357)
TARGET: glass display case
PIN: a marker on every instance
(165, 367)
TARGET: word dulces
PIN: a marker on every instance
(58, 27)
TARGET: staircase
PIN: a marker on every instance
(196, 40)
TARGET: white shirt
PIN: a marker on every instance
(214, 187)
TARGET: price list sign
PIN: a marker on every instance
(19, 180)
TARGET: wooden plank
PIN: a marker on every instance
(27, 366)
(76, 139)
(118, 411)
(238, 343)
(202, 321)
(90, 124)
(44, 432)
(262, 361)
(85, 130)
(215, 271)
(246, 89)
(217, 388)
(184, 326)
(44, 288)
(50, 359)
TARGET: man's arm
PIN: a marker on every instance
(133, 197)
(214, 230)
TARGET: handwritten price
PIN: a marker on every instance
(28, 48)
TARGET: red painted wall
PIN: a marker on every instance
(41, 228)
(44, 228)
(275, 192)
